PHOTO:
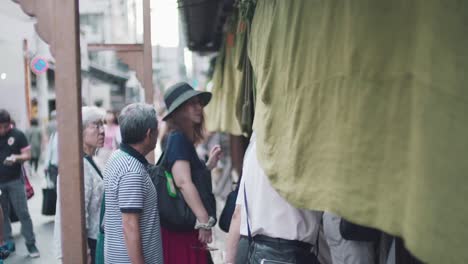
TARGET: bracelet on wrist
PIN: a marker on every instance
(207, 226)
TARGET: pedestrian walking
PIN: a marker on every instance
(52, 124)
(93, 138)
(34, 137)
(131, 220)
(185, 121)
(14, 150)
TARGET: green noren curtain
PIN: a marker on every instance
(222, 112)
(362, 109)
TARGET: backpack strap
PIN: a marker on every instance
(101, 214)
(249, 232)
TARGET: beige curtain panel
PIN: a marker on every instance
(362, 109)
(221, 113)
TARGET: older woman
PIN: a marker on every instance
(93, 138)
(185, 122)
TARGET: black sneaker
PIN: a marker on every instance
(4, 252)
(33, 251)
(10, 245)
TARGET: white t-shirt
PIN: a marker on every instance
(269, 213)
(51, 155)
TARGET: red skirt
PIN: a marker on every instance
(183, 248)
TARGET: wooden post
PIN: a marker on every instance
(57, 24)
(148, 62)
(27, 78)
(147, 53)
(68, 91)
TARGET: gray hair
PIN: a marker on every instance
(135, 120)
(91, 114)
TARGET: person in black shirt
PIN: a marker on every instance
(14, 150)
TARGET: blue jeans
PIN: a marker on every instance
(14, 194)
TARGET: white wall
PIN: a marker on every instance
(15, 27)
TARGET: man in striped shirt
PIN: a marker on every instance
(131, 221)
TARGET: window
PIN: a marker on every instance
(94, 21)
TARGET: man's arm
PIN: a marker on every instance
(24, 156)
(18, 158)
(25, 149)
(233, 236)
(131, 199)
(131, 228)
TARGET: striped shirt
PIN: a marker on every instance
(128, 189)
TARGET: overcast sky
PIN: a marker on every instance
(164, 25)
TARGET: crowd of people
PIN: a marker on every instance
(127, 219)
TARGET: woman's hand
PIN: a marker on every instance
(215, 155)
(205, 236)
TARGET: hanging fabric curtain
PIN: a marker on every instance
(226, 89)
(362, 110)
(231, 109)
(245, 106)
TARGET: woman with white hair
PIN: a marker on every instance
(93, 138)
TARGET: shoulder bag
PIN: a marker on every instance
(174, 212)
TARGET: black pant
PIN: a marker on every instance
(34, 163)
(274, 249)
(92, 248)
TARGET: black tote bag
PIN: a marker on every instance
(49, 201)
(228, 210)
(174, 212)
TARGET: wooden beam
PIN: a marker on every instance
(44, 12)
(148, 62)
(130, 54)
(68, 91)
(27, 78)
(134, 60)
(116, 47)
(147, 53)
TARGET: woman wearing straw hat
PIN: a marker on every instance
(185, 121)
